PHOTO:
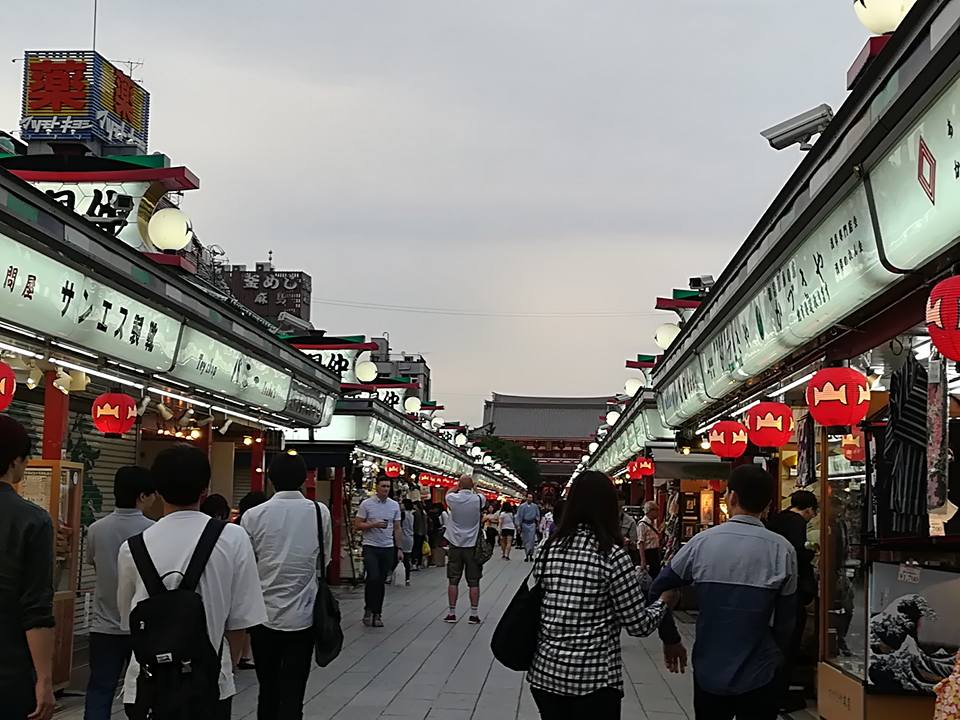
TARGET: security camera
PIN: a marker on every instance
(799, 129)
(702, 282)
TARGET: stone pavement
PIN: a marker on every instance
(419, 668)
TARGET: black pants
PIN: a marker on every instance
(792, 660)
(760, 704)
(417, 554)
(600, 705)
(108, 657)
(283, 668)
(17, 697)
(222, 712)
(378, 563)
(654, 563)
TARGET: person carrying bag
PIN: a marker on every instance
(326, 611)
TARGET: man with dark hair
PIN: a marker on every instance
(286, 541)
(378, 518)
(109, 643)
(229, 585)
(746, 582)
(792, 525)
(26, 588)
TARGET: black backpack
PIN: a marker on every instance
(179, 666)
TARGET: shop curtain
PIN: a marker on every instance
(906, 450)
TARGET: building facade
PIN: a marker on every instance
(404, 364)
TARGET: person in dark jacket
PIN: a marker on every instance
(419, 534)
(792, 525)
(26, 588)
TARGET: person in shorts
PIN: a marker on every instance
(465, 508)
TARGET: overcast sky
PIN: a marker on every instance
(499, 158)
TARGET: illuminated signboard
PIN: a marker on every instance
(79, 95)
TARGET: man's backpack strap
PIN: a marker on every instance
(208, 540)
(321, 560)
(148, 571)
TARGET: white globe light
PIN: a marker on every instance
(487, 460)
(475, 451)
(633, 385)
(585, 459)
(437, 422)
(412, 404)
(460, 440)
(169, 230)
(593, 447)
(882, 16)
(498, 466)
(665, 335)
(367, 371)
(613, 417)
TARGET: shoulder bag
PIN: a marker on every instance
(514, 641)
(327, 633)
(482, 549)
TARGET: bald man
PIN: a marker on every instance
(466, 511)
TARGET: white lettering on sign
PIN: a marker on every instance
(909, 574)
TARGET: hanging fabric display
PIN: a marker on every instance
(938, 447)
(906, 449)
(806, 452)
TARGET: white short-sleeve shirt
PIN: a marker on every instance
(229, 586)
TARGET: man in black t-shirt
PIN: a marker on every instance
(792, 525)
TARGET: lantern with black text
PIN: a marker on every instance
(392, 469)
(114, 413)
(728, 439)
(770, 424)
(943, 317)
(646, 467)
(839, 397)
(8, 385)
(853, 447)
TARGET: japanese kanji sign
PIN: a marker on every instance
(79, 95)
(269, 292)
(53, 299)
(115, 207)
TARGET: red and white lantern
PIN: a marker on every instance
(392, 469)
(770, 424)
(8, 385)
(853, 447)
(839, 397)
(114, 413)
(943, 317)
(728, 439)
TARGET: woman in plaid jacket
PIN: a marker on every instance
(591, 592)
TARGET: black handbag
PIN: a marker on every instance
(327, 633)
(514, 641)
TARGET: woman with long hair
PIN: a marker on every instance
(591, 592)
(508, 528)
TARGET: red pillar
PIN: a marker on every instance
(336, 518)
(56, 411)
(310, 486)
(648, 489)
(256, 466)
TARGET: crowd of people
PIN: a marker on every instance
(255, 581)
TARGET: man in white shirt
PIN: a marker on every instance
(229, 585)
(109, 643)
(378, 517)
(286, 541)
(466, 510)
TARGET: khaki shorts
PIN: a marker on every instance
(460, 559)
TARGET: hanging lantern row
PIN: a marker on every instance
(839, 397)
(640, 468)
(770, 424)
(8, 385)
(429, 479)
(728, 439)
(114, 413)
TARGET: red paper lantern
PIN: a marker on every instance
(424, 478)
(392, 469)
(943, 317)
(853, 447)
(839, 397)
(646, 467)
(114, 413)
(633, 469)
(770, 424)
(728, 439)
(8, 385)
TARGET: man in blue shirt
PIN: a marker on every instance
(746, 582)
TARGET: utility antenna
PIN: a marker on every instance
(95, 9)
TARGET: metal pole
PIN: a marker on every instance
(94, 24)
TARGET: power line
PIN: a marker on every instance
(473, 313)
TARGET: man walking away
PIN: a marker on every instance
(466, 511)
(792, 525)
(109, 644)
(378, 517)
(419, 534)
(746, 582)
(528, 517)
(228, 585)
(26, 588)
(285, 540)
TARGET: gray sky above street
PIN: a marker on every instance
(532, 157)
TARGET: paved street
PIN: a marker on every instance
(420, 668)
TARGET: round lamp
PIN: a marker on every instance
(169, 230)
(114, 413)
(460, 440)
(412, 404)
(8, 385)
(665, 335)
(882, 16)
(770, 424)
(476, 451)
(613, 417)
(943, 317)
(367, 371)
(437, 422)
(633, 385)
(593, 447)
(728, 439)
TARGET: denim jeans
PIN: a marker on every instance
(108, 657)
(378, 563)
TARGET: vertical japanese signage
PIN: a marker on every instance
(79, 95)
(269, 292)
(53, 299)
